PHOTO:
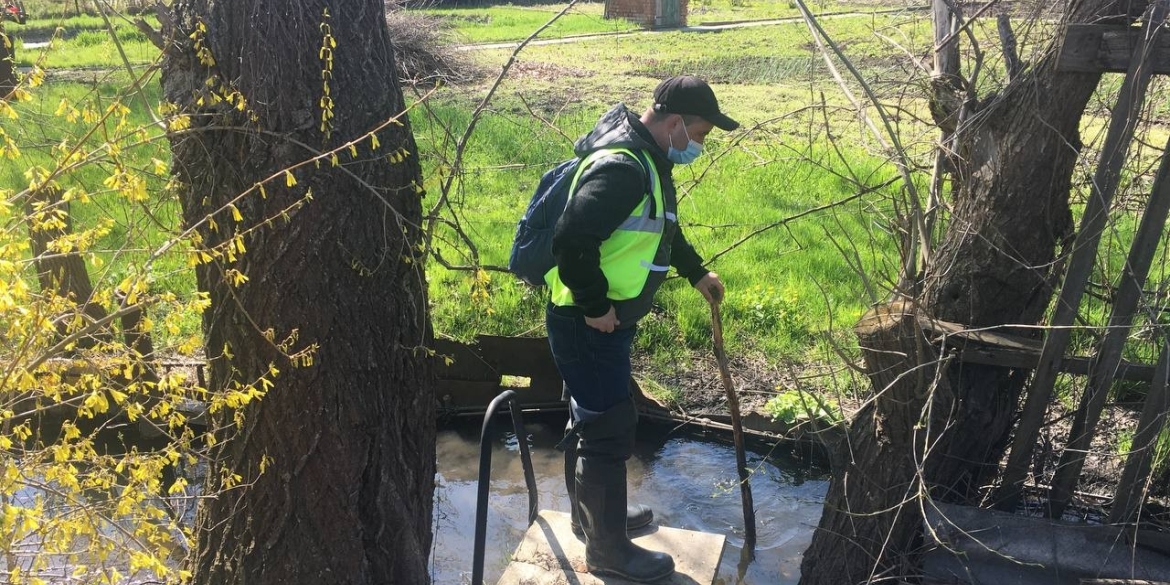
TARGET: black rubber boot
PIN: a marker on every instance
(605, 445)
(637, 515)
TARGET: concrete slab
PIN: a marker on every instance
(551, 554)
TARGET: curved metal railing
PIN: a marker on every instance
(485, 472)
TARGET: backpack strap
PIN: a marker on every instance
(640, 155)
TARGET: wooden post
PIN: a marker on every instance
(1125, 302)
(1141, 452)
(1117, 141)
(1007, 40)
(946, 102)
(7, 63)
(61, 273)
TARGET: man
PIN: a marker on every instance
(618, 236)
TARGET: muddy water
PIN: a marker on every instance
(689, 480)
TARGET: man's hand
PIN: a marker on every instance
(605, 323)
(711, 288)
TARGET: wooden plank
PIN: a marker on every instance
(470, 376)
(1100, 48)
(519, 356)
(1014, 351)
(1125, 306)
(1130, 100)
(957, 331)
(458, 397)
(551, 554)
(1024, 360)
(1141, 455)
(491, 357)
(460, 361)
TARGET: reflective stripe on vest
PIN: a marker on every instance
(627, 256)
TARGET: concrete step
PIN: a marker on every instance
(551, 554)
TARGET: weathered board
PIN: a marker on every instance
(992, 348)
(1100, 48)
(470, 376)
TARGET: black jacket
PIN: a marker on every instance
(607, 193)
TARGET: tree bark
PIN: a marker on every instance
(865, 532)
(997, 263)
(338, 459)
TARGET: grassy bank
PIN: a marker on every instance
(781, 205)
(68, 121)
(785, 279)
(788, 279)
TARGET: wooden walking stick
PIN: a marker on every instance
(745, 488)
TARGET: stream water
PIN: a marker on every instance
(689, 480)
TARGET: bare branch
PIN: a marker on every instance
(916, 241)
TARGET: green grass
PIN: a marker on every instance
(717, 11)
(512, 23)
(136, 229)
(81, 43)
(787, 286)
(782, 284)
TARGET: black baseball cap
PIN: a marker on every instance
(689, 95)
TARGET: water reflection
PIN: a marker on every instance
(690, 482)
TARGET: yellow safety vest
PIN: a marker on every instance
(627, 256)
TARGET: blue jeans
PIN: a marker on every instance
(594, 365)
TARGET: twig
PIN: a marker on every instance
(792, 218)
(461, 145)
(1007, 38)
(917, 243)
(126, 63)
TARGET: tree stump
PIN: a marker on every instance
(877, 476)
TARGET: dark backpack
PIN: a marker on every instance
(532, 255)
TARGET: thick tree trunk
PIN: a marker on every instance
(996, 265)
(340, 454)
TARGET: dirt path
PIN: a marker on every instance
(701, 28)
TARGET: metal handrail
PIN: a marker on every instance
(485, 471)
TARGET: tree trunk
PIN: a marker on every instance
(996, 265)
(868, 534)
(7, 63)
(338, 459)
(60, 273)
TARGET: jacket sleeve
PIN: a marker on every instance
(685, 259)
(606, 195)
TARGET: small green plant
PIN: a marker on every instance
(797, 406)
(767, 309)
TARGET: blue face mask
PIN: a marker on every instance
(684, 157)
